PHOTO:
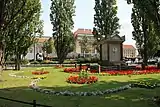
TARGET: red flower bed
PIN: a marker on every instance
(78, 80)
(93, 71)
(39, 72)
(71, 70)
(131, 72)
(128, 72)
(147, 67)
(138, 71)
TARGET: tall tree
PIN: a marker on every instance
(151, 8)
(62, 12)
(9, 9)
(26, 26)
(105, 20)
(144, 34)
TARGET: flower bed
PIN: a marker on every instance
(82, 80)
(131, 72)
(115, 72)
(39, 72)
(71, 70)
(147, 67)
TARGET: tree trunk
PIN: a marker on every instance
(18, 62)
(100, 52)
(1, 62)
(2, 50)
(144, 26)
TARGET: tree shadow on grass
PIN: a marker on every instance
(127, 98)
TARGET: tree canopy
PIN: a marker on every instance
(62, 12)
(20, 33)
(105, 19)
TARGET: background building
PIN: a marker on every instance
(37, 48)
(79, 36)
(129, 51)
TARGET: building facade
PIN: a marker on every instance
(37, 49)
(79, 36)
(129, 51)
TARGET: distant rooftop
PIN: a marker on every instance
(43, 39)
(129, 47)
(82, 31)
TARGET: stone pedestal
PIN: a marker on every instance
(112, 51)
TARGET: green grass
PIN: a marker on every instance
(17, 88)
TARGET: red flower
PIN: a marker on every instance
(39, 72)
(78, 80)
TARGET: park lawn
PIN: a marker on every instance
(17, 88)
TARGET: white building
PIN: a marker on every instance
(37, 48)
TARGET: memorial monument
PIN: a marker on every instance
(111, 50)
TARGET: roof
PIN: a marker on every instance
(82, 31)
(113, 39)
(42, 39)
(128, 47)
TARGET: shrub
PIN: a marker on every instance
(24, 61)
(10, 62)
(35, 62)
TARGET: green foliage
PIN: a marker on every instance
(48, 46)
(19, 34)
(87, 60)
(9, 10)
(150, 8)
(84, 44)
(24, 61)
(136, 21)
(62, 12)
(34, 62)
(147, 39)
(105, 19)
(83, 74)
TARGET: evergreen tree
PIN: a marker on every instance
(62, 12)
(150, 8)
(144, 34)
(105, 18)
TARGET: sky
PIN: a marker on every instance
(84, 17)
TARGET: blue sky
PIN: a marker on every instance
(84, 17)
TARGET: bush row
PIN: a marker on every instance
(87, 60)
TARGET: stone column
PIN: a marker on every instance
(108, 51)
(121, 51)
